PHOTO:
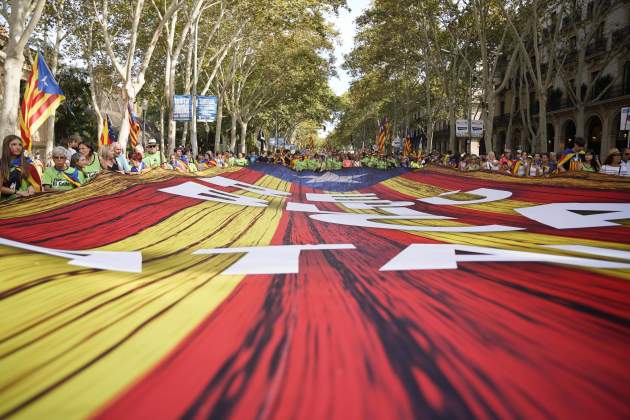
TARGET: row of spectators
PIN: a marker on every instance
(520, 164)
(76, 164)
(320, 162)
(73, 166)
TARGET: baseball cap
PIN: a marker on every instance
(152, 142)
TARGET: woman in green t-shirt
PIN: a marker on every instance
(93, 163)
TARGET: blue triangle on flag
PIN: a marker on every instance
(45, 80)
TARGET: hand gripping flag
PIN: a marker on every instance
(41, 97)
(108, 135)
(134, 128)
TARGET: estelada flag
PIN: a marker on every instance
(108, 135)
(407, 146)
(382, 135)
(134, 128)
(41, 97)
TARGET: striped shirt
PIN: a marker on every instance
(620, 170)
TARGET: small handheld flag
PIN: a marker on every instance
(42, 96)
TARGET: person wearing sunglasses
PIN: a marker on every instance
(625, 158)
(153, 157)
(613, 164)
(61, 177)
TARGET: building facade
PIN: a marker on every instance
(606, 66)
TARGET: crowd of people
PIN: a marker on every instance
(523, 164)
(520, 163)
(78, 162)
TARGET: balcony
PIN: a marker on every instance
(614, 92)
(501, 120)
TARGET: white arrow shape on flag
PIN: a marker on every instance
(129, 262)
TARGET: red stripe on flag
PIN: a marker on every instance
(530, 192)
(108, 218)
(35, 96)
(476, 217)
(42, 109)
(342, 340)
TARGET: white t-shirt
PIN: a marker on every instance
(491, 165)
(620, 170)
(534, 170)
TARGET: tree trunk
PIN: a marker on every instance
(182, 140)
(429, 111)
(162, 112)
(11, 95)
(21, 26)
(579, 120)
(542, 124)
(95, 105)
(243, 136)
(195, 78)
(123, 134)
(233, 133)
(187, 85)
(452, 121)
(169, 91)
(217, 134)
(54, 64)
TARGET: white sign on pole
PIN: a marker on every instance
(206, 108)
(182, 108)
(476, 127)
(461, 128)
(625, 119)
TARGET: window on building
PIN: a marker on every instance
(599, 34)
(626, 78)
(594, 75)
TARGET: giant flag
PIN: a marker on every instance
(260, 292)
(41, 97)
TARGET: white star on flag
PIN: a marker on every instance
(331, 177)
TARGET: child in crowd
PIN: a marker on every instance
(79, 162)
(137, 165)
